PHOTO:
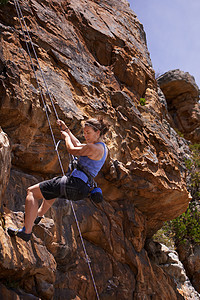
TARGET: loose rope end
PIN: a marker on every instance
(56, 148)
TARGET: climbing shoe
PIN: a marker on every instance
(37, 220)
(20, 233)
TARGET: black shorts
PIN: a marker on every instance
(75, 188)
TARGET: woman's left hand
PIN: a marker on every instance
(65, 134)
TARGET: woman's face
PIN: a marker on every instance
(91, 136)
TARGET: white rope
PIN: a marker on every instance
(20, 16)
(19, 12)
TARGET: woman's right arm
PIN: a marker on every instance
(64, 127)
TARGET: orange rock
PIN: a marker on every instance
(5, 163)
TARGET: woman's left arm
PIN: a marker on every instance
(64, 127)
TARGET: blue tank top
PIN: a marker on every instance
(92, 166)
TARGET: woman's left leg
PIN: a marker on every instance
(44, 207)
(31, 206)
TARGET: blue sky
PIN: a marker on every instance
(173, 33)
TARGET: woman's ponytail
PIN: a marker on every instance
(98, 124)
(104, 126)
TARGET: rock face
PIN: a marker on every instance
(169, 261)
(182, 95)
(190, 256)
(95, 63)
(5, 162)
(28, 265)
(146, 155)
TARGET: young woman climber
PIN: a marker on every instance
(77, 185)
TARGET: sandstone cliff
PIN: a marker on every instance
(96, 63)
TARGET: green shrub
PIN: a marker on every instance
(196, 154)
(179, 133)
(186, 227)
(188, 164)
(194, 186)
(142, 101)
(162, 236)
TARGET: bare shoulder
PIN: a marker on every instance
(96, 147)
(99, 150)
(93, 151)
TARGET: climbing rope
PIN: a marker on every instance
(28, 40)
(19, 13)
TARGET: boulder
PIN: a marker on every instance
(15, 194)
(169, 261)
(190, 256)
(26, 265)
(182, 94)
(14, 293)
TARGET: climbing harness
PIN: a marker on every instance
(95, 193)
(71, 193)
(27, 41)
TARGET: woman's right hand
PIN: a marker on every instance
(61, 123)
(63, 126)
